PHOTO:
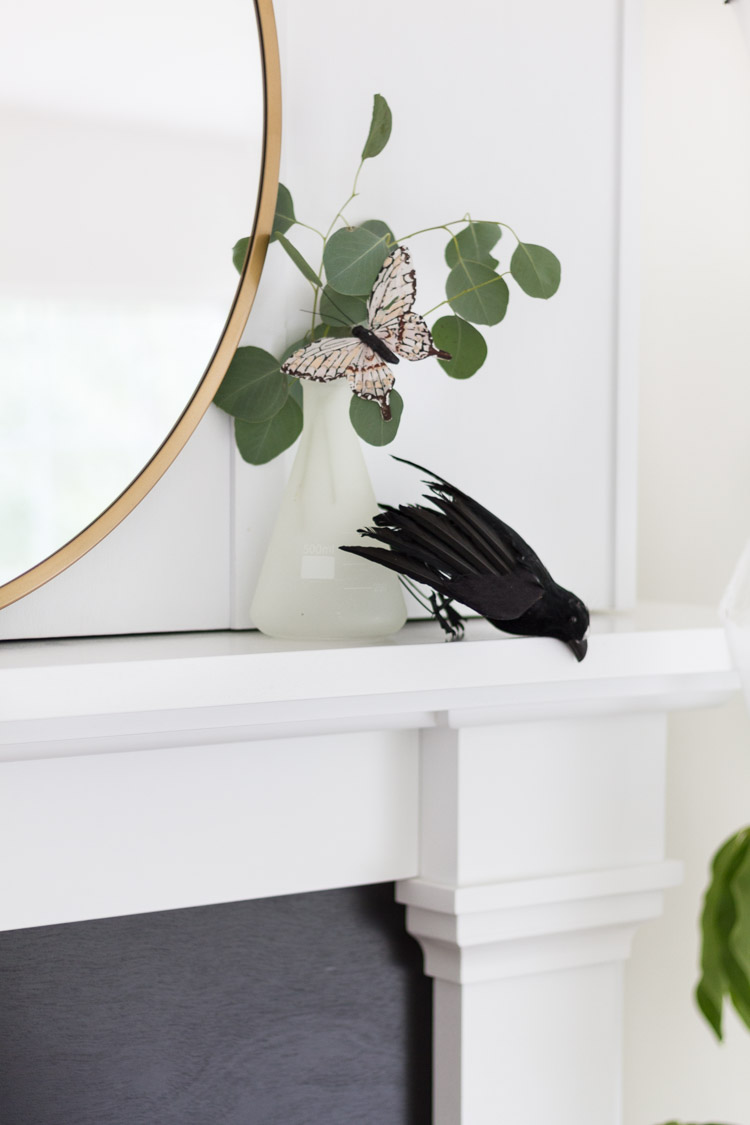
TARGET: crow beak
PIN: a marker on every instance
(579, 648)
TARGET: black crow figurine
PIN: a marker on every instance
(468, 555)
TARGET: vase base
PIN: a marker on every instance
(290, 630)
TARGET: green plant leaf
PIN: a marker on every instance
(284, 217)
(717, 921)
(337, 309)
(737, 961)
(259, 442)
(295, 390)
(477, 293)
(353, 257)
(535, 269)
(368, 421)
(466, 345)
(380, 128)
(253, 388)
(381, 230)
(239, 252)
(305, 269)
(475, 242)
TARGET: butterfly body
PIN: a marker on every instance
(374, 343)
(394, 332)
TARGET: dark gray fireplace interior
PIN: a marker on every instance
(310, 1009)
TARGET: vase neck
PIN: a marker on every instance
(329, 399)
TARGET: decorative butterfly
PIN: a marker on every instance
(394, 332)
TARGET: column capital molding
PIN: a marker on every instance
(509, 929)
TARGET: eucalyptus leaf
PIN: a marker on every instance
(475, 242)
(477, 293)
(381, 229)
(259, 442)
(239, 253)
(367, 419)
(353, 257)
(380, 128)
(304, 267)
(253, 388)
(295, 390)
(718, 965)
(467, 346)
(284, 217)
(340, 309)
(536, 270)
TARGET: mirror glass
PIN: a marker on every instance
(132, 146)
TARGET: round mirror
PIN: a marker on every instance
(138, 147)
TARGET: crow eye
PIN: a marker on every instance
(573, 619)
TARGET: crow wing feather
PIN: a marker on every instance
(509, 549)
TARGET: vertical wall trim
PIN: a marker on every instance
(628, 313)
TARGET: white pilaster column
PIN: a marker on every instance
(541, 851)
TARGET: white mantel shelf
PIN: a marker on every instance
(515, 796)
(70, 696)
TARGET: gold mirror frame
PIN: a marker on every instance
(261, 232)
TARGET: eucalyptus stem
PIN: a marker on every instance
(356, 177)
(425, 230)
(316, 294)
(308, 227)
(339, 215)
(456, 223)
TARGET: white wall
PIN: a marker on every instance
(694, 508)
(511, 111)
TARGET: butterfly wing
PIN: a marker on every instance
(409, 337)
(326, 359)
(332, 358)
(394, 291)
(371, 378)
(390, 310)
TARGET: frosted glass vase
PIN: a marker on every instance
(308, 589)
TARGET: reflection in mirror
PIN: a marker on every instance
(132, 150)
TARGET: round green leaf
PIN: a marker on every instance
(380, 128)
(466, 345)
(253, 388)
(368, 421)
(239, 252)
(535, 269)
(477, 293)
(339, 309)
(284, 217)
(295, 389)
(475, 242)
(353, 257)
(259, 442)
(381, 229)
